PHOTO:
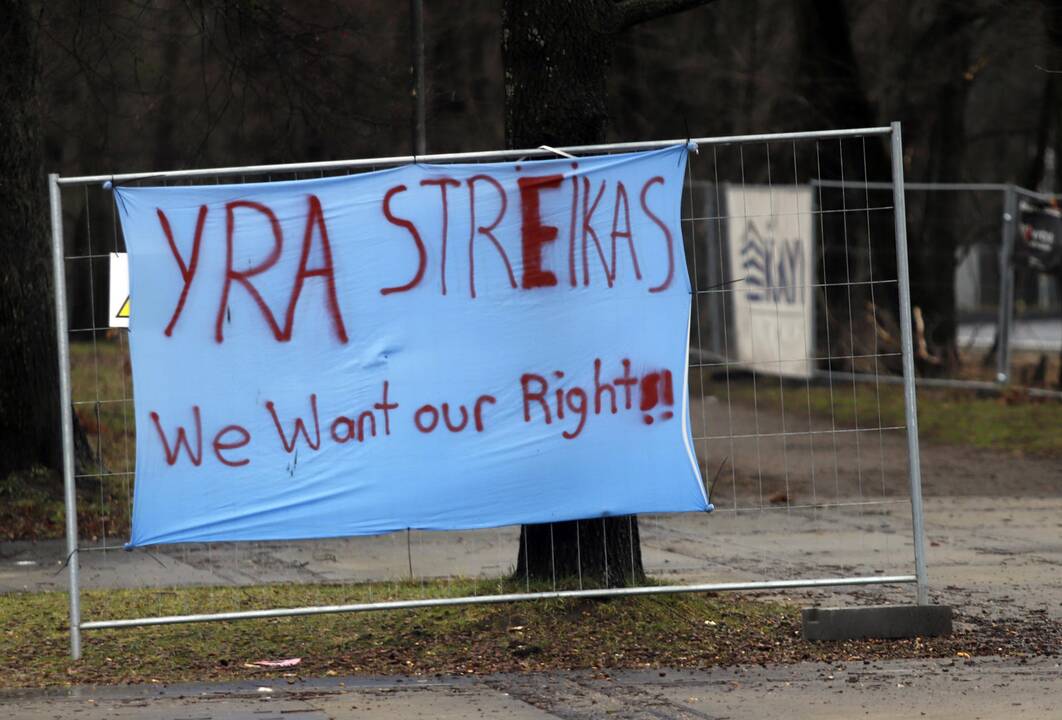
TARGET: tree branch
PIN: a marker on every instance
(629, 13)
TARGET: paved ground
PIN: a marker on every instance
(966, 690)
(1041, 335)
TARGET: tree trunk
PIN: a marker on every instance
(602, 552)
(934, 252)
(934, 283)
(29, 403)
(556, 60)
(556, 55)
(832, 95)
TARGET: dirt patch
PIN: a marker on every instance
(760, 456)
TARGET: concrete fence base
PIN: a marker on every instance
(879, 621)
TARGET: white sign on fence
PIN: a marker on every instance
(118, 305)
(770, 248)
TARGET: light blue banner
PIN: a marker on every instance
(432, 347)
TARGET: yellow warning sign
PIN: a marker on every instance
(118, 298)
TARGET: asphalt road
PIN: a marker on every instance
(965, 690)
(1040, 335)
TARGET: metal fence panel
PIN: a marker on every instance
(1007, 318)
(815, 477)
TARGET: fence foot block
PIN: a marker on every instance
(877, 621)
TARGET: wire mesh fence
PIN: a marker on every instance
(1031, 292)
(814, 476)
(983, 316)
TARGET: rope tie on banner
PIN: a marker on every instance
(555, 151)
(66, 562)
(691, 146)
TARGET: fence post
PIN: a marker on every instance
(1006, 285)
(910, 406)
(65, 413)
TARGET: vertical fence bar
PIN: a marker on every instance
(65, 413)
(910, 406)
(1006, 285)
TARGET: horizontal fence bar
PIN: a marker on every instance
(468, 156)
(799, 214)
(801, 433)
(953, 383)
(811, 358)
(877, 185)
(934, 186)
(1048, 197)
(493, 599)
(731, 286)
(785, 508)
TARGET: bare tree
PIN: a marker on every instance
(556, 58)
(29, 402)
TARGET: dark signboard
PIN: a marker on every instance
(1039, 241)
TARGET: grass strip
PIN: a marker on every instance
(694, 630)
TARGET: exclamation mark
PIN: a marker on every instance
(656, 389)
